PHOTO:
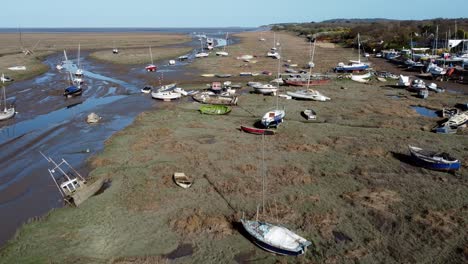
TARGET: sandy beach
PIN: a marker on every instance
(345, 182)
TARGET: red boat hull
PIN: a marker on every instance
(257, 131)
(312, 82)
(151, 68)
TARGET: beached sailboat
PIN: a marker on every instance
(309, 94)
(273, 53)
(115, 50)
(201, 54)
(151, 67)
(78, 79)
(166, 96)
(353, 66)
(8, 112)
(223, 52)
(265, 88)
(275, 116)
(72, 186)
(74, 89)
(273, 238)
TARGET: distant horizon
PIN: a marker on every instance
(212, 13)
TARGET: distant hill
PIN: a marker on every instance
(380, 33)
(357, 20)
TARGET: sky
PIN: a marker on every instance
(211, 13)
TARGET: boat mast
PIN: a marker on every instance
(263, 174)
(436, 40)
(79, 49)
(4, 93)
(277, 83)
(65, 55)
(151, 55)
(310, 68)
(359, 49)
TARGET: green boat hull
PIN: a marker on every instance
(215, 109)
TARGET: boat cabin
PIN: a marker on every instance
(216, 86)
(70, 186)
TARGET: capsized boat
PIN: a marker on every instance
(434, 160)
(215, 109)
(309, 94)
(257, 131)
(183, 180)
(72, 186)
(273, 118)
(276, 239)
(215, 99)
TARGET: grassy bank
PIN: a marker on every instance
(345, 182)
(137, 56)
(342, 182)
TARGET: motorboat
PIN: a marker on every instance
(265, 88)
(273, 118)
(166, 96)
(309, 94)
(147, 89)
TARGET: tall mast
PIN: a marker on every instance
(310, 68)
(79, 49)
(151, 55)
(277, 83)
(4, 93)
(359, 49)
(263, 174)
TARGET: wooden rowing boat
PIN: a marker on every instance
(183, 180)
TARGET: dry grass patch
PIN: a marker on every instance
(378, 199)
(288, 175)
(323, 223)
(197, 222)
(141, 260)
(443, 223)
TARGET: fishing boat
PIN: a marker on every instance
(215, 99)
(183, 180)
(265, 88)
(147, 89)
(72, 186)
(215, 109)
(224, 52)
(457, 120)
(7, 113)
(309, 94)
(151, 67)
(353, 66)
(166, 96)
(309, 114)
(257, 131)
(434, 160)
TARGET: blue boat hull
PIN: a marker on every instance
(274, 123)
(72, 91)
(351, 68)
(436, 165)
(276, 250)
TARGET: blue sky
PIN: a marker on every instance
(210, 13)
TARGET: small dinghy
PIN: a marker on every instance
(257, 131)
(276, 239)
(215, 99)
(215, 109)
(166, 96)
(183, 180)
(309, 114)
(434, 160)
(147, 89)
